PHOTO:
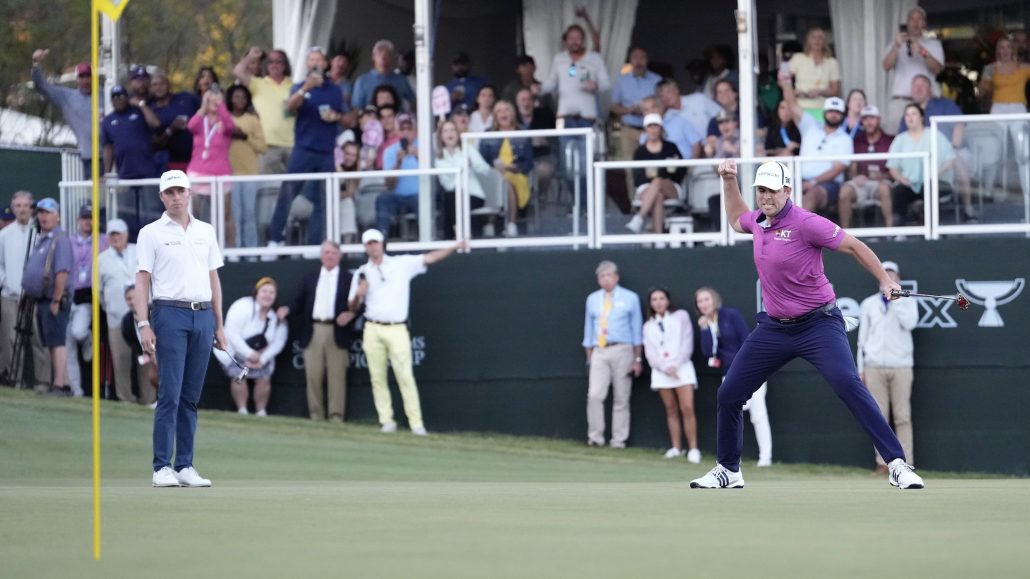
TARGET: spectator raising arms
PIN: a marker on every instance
(270, 93)
(74, 104)
(212, 129)
(668, 345)
(256, 333)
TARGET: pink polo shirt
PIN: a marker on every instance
(789, 259)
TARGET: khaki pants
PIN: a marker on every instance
(611, 365)
(629, 140)
(40, 355)
(894, 113)
(324, 359)
(892, 389)
(382, 342)
(121, 359)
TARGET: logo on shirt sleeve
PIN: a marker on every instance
(836, 230)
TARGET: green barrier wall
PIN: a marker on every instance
(29, 170)
(497, 340)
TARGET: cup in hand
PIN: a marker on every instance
(324, 111)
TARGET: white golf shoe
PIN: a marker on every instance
(164, 478)
(673, 453)
(903, 476)
(419, 431)
(719, 478)
(694, 456)
(188, 477)
(389, 427)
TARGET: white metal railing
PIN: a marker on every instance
(1008, 123)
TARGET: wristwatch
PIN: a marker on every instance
(142, 324)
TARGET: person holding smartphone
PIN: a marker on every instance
(401, 197)
(909, 54)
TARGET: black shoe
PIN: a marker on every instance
(969, 216)
(59, 391)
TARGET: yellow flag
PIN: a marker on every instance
(113, 8)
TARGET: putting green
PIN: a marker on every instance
(296, 499)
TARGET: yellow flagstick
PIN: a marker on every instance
(95, 170)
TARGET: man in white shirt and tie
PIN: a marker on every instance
(383, 286)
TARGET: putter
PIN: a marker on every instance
(243, 369)
(963, 303)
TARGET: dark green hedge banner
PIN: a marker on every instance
(497, 340)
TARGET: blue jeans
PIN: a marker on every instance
(823, 342)
(303, 161)
(244, 213)
(184, 339)
(389, 204)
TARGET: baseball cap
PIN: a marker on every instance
(47, 204)
(834, 104)
(891, 266)
(7, 214)
(404, 118)
(83, 69)
(118, 90)
(524, 59)
(174, 178)
(139, 71)
(317, 49)
(117, 226)
(724, 115)
(652, 119)
(772, 175)
(870, 111)
(86, 211)
(371, 235)
(462, 109)
(461, 58)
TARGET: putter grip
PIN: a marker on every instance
(901, 293)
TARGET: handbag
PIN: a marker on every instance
(258, 341)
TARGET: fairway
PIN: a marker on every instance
(296, 499)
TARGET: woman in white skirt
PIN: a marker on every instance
(257, 333)
(668, 345)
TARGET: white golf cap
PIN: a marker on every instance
(870, 111)
(652, 119)
(891, 266)
(117, 226)
(835, 104)
(371, 235)
(174, 178)
(772, 175)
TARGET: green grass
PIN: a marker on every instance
(296, 499)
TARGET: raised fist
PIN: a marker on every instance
(728, 168)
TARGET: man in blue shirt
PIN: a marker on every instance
(174, 141)
(630, 89)
(401, 197)
(126, 137)
(381, 73)
(613, 340)
(318, 103)
(676, 127)
(464, 87)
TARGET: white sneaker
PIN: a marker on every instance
(764, 462)
(719, 478)
(673, 453)
(242, 411)
(511, 230)
(164, 478)
(188, 477)
(391, 427)
(272, 257)
(152, 405)
(488, 230)
(694, 456)
(261, 413)
(636, 225)
(419, 431)
(903, 476)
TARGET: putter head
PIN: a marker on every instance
(242, 375)
(963, 303)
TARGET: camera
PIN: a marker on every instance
(404, 144)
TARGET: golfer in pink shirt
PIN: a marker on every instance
(801, 319)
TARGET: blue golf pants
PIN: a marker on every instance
(822, 341)
(184, 339)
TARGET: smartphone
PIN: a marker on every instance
(215, 88)
(903, 28)
(404, 144)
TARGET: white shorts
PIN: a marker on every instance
(866, 193)
(685, 375)
(642, 188)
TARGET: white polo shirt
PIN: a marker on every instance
(389, 286)
(179, 260)
(907, 67)
(815, 142)
(324, 307)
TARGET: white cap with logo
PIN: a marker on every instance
(835, 104)
(652, 119)
(773, 175)
(371, 235)
(174, 178)
(891, 266)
